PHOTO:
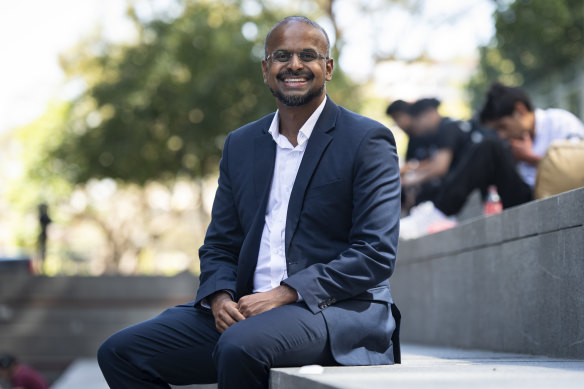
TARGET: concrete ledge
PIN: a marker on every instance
(561, 212)
(428, 367)
(84, 373)
(51, 321)
(509, 282)
(423, 367)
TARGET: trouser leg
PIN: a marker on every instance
(175, 347)
(487, 163)
(429, 190)
(290, 335)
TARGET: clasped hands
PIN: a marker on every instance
(227, 312)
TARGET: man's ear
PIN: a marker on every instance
(520, 108)
(330, 65)
(265, 71)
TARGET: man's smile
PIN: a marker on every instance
(294, 81)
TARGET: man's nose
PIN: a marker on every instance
(295, 63)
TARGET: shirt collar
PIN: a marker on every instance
(305, 130)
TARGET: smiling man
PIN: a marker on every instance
(302, 241)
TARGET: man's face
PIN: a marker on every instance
(297, 82)
(509, 127)
(425, 122)
(403, 121)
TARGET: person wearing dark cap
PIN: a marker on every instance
(18, 375)
(508, 162)
(435, 147)
(399, 112)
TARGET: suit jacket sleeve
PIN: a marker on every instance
(220, 252)
(373, 238)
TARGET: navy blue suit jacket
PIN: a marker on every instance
(342, 228)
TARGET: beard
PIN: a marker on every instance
(295, 100)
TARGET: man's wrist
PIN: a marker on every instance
(287, 294)
(219, 296)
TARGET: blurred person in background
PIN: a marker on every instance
(19, 376)
(435, 147)
(509, 162)
(399, 112)
(44, 221)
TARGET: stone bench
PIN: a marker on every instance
(509, 282)
(423, 367)
(50, 321)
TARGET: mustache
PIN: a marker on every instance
(287, 73)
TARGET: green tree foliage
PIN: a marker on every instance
(37, 139)
(162, 107)
(533, 38)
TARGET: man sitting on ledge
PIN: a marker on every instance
(302, 241)
(509, 163)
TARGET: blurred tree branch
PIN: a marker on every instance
(533, 39)
(161, 108)
(154, 110)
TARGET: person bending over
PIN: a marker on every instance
(509, 162)
(435, 147)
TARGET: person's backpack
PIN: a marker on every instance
(561, 169)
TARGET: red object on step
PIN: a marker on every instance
(493, 204)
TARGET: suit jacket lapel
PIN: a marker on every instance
(317, 144)
(264, 153)
(263, 165)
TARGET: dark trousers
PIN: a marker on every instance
(181, 346)
(487, 163)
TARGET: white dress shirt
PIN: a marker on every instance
(550, 124)
(271, 265)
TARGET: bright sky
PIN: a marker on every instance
(443, 30)
(33, 32)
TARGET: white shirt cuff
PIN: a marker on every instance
(300, 299)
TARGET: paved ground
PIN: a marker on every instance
(85, 374)
(423, 367)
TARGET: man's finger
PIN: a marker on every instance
(218, 327)
(221, 325)
(253, 310)
(244, 306)
(234, 313)
(226, 318)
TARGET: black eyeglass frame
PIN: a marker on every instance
(298, 54)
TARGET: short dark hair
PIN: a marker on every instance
(7, 361)
(398, 106)
(501, 100)
(423, 105)
(302, 19)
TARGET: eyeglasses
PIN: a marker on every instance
(284, 56)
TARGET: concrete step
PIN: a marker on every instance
(511, 282)
(423, 367)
